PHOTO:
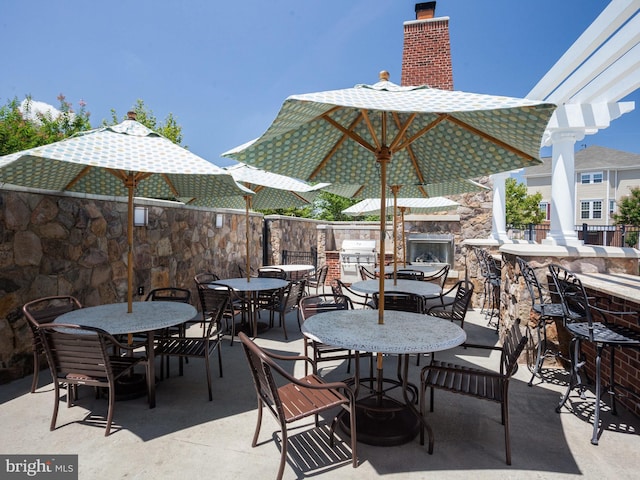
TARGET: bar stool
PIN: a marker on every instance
(546, 311)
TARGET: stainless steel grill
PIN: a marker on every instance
(353, 254)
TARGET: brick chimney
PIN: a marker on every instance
(426, 55)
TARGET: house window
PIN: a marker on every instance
(612, 207)
(590, 209)
(545, 208)
(594, 177)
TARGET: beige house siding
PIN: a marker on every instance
(620, 173)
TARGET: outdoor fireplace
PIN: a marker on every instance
(430, 248)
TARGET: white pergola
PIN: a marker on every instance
(587, 83)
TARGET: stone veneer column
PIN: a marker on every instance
(563, 189)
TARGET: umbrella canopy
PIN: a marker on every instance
(413, 135)
(122, 160)
(371, 206)
(271, 191)
(427, 190)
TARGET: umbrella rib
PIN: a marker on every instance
(78, 177)
(337, 145)
(168, 182)
(490, 138)
(422, 131)
(349, 132)
(401, 133)
(402, 129)
(299, 197)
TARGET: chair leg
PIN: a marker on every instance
(112, 401)
(537, 365)
(505, 421)
(254, 442)
(208, 371)
(56, 398)
(596, 415)
(283, 455)
(36, 371)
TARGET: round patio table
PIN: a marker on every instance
(145, 317)
(252, 286)
(381, 419)
(294, 271)
(425, 289)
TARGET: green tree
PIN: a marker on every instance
(521, 208)
(169, 128)
(21, 130)
(629, 214)
(329, 206)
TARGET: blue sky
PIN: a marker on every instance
(223, 69)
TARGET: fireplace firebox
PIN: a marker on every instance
(430, 248)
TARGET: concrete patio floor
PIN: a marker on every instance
(186, 436)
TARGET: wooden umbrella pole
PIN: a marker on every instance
(130, 183)
(247, 202)
(383, 155)
(404, 242)
(394, 189)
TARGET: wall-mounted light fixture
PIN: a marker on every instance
(219, 220)
(140, 216)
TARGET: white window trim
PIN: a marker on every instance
(590, 178)
(591, 209)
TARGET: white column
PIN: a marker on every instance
(563, 189)
(499, 218)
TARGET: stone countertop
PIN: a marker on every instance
(622, 285)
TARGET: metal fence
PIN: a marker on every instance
(605, 235)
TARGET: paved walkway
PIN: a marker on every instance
(186, 436)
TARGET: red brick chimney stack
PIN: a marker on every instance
(426, 55)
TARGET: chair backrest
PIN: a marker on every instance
(291, 296)
(531, 281)
(574, 299)
(214, 300)
(438, 277)
(322, 273)
(406, 302)
(47, 309)
(206, 277)
(408, 274)
(169, 294)
(78, 352)
(462, 300)
(261, 367)
(366, 274)
(315, 304)
(512, 346)
(272, 272)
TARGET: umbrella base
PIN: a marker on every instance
(131, 387)
(383, 422)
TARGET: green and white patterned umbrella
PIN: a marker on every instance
(126, 159)
(428, 190)
(395, 135)
(272, 191)
(371, 206)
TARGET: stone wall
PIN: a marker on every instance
(77, 245)
(71, 244)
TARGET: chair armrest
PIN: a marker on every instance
(457, 368)
(482, 347)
